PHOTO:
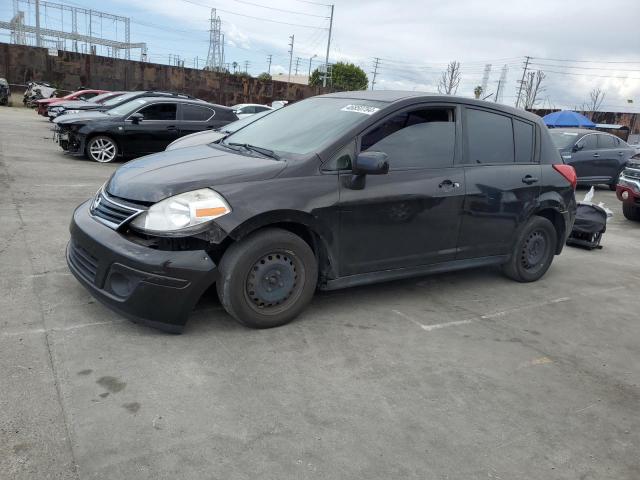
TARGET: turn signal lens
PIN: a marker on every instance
(568, 172)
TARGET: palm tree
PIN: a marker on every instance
(235, 66)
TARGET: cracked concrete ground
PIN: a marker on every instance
(457, 376)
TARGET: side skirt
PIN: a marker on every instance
(396, 274)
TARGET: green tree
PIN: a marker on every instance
(344, 76)
(477, 91)
(264, 77)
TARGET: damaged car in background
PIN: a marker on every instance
(139, 127)
(331, 192)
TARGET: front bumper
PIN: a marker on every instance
(632, 188)
(155, 287)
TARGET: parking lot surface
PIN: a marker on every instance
(465, 375)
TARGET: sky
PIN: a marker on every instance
(579, 44)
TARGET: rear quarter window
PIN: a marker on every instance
(489, 137)
(523, 137)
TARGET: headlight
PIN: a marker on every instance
(181, 212)
(73, 111)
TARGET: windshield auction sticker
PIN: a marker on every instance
(367, 110)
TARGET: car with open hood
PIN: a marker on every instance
(331, 192)
(77, 106)
(139, 127)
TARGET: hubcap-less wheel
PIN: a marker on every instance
(273, 282)
(102, 149)
(534, 250)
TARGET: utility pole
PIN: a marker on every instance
(246, 66)
(297, 64)
(326, 66)
(524, 73)
(269, 57)
(310, 60)
(38, 36)
(291, 38)
(375, 72)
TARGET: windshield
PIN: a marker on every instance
(121, 98)
(127, 108)
(101, 97)
(563, 139)
(306, 126)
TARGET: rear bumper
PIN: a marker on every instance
(153, 287)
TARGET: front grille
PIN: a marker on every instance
(632, 172)
(110, 212)
(84, 263)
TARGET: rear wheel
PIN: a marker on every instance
(533, 252)
(267, 279)
(631, 211)
(102, 149)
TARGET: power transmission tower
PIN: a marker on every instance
(297, 64)
(524, 73)
(269, 57)
(501, 84)
(485, 77)
(291, 38)
(375, 72)
(326, 66)
(214, 57)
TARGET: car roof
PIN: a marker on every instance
(582, 131)
(193, 101)
(402, 96)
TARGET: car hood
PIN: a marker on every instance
(161, 175)
(74, 104)
(199, 138)
(84, 117)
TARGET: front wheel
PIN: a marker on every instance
(102, 149)
(630, 211)
(268, 278)
(533, 252)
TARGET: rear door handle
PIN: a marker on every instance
(448, 184)
(172, 128)
(596, 155)
(529, 180)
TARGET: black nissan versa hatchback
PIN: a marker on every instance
(334, 191)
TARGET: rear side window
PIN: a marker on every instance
(588, 142)
(196, 113)
(523, 135)
(606, 141)
(159, 111)
(489, 137)
(415, 139)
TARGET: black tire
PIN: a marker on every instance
(267, 279)
(631, 211)
(533, 251)
(102, 149)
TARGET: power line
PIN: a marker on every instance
(579, 61)
(279, 9)
(591, 75)
(192, 2)
(584, 68)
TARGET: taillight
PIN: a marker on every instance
(568, 172)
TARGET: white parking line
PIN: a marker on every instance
(487, 316)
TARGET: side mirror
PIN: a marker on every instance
(136, 117)
(371, 163)
(577, 147)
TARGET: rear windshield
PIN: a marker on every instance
(306, 126)
(121, 98)
(563, 139)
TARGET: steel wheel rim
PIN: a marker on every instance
(274, 282)
(534, 250)
(102, 150)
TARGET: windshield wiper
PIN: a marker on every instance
(264, 151)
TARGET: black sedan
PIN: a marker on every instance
(139, 127)
(597, 157)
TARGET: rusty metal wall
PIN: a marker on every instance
(68, 71)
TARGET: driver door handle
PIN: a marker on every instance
(529, 180)
(172, 128)
(596, 155)
(448, 184)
